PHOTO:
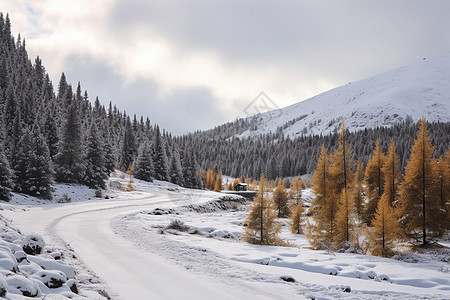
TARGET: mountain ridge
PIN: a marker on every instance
(409, 92)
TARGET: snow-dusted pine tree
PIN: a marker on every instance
(95, 174)
(69, 165)
(128, 147)
(6, 183)
(39, 172)
(175, 171)
(160, 157)
(144, 163)
(21, 162)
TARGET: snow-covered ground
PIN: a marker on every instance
(121, 246)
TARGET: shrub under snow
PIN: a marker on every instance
(33, 244)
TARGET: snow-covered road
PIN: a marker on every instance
(119, 241)
(130, 272)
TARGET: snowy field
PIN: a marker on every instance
(122, 248)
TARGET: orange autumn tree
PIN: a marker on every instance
(261, 226)
(422, 212)
(373, 181)
(280, 200)
(386, 232)
(321, 229)
(341, 180)
(392, 175)
(443, 165)
(297, 209)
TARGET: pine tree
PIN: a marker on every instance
(419, 193)
(128, 148)
(280, 200)
(96, 173)
(190, 176)
(21, 163)
(175, 171)
(386, 231)
(69, 166)
(261, 226)
(39, 170)
(160, 157)
(51, 133)
(6, 183)
(374, 179)
(144, 163)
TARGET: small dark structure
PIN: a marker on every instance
(241, 187)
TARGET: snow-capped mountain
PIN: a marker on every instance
(422, 89)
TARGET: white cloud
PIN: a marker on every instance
(224, 53)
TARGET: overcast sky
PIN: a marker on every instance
(195, 64)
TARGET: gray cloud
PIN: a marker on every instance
(195, 64)
(350, 39)
(184, 110)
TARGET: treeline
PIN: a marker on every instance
(373, 207)
(52, 136)
(278, 157)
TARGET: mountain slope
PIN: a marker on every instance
(422, 89)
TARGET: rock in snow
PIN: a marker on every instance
(33, 244)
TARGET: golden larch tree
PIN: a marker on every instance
(392, 175)
(295, 190)
(341, 179)
(218, 182)
(320, 182)
(297, 209)
(386, 231)
(373, 181)
(280, 200)
(346, 221)
(443, 167)
(321, 229)
(357, 191)
(261, 226)
(422, 213)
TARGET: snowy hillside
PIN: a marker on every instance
(422, 89)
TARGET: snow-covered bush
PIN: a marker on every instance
(64, 199)
(20, 256)
(223, 234)
(21, 285)
(52, 279)
(3, 286)
(178, 225)
(33, 244)
(7, 260)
